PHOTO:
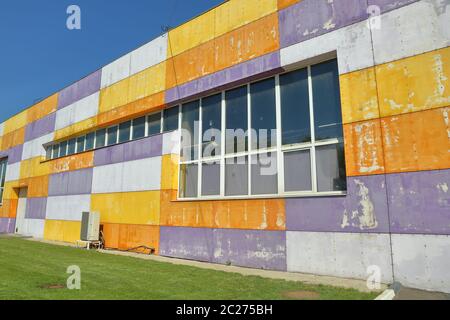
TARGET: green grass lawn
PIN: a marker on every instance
(27, 268)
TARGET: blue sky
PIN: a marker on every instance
(40, 56)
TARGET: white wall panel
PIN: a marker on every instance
(35, 148)
(78, 111)
(116, 71)
(33, 228)
(422, 261)
(414, 29)
(339, 254)
(12, 172)
(149, 54)
(67, 208)
(107, 178)
(171, 143)
(352, 44)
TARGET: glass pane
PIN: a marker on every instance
(154, 124)
(100, 138)
(55, 153)
(295, 117)
(211, 121)
(188, 180)
(63, 149)
(264, 173)
(327, 101)
(124, 131)
(331, 168)
(236, 176)
(171, 119)
(139, 128)
(48, 153)
(189, 134)
(297, 171)
(71, 146)
(90, 141)
(211, 178)
(80, 144)
(112, 135)
(236, 119)
(263, 114)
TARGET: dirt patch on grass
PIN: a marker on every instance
(302, 295)
(52, 286)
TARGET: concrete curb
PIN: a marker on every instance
(387, 294)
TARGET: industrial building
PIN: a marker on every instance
(305, 136)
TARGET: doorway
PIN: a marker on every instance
(21, 209)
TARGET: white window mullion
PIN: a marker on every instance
(280, 160)
(222, 145)
(313, 135)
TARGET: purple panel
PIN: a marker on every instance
(388, 5)
(71, 183)
(311, 18)
(15, 154)
(40, 127)
(186, 243)
(36, 208)
(7, 225)
(244, 72)
(250, 248)
(419, 202)
(79, 90)
(364, 209)
(134, 150)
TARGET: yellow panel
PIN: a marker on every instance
(16, 122)
(65, 231)
(147, 82)
(76, 129)
(191, 34)
(34, 168)
(9, 190)
(236, 13)
(359, 96)
(413, 84)
(169, 172)
(114, 96)
(128, 207)
(43, 108)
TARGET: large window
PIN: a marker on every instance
(3, 165)
(282, 137)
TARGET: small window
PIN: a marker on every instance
(236, 139)
(154, 124)
(264, 174)
(80, 144)
(90, 138)
(331, 168)
(170, 119)
(63, 149)
(55, 151)
(236, 176)
(124, 131)
(48, 152)
(100, 138)
(189, 125)
(139, 128)
(297, 171)
(111, 136)
(211, 124)
(211, 178)
(189, 181)
(71, 146)
(3, 165)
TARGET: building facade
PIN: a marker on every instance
(297, 135)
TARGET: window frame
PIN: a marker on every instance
(279, 149)
(3, 170)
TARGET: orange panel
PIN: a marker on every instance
(43, 108)
(75, 162)
(363, 148)
(8, 209)
(13, 139)
(417, 141)
(37, 187)
(265, 214)
(286, 3)
(128, 236)
(132, 110)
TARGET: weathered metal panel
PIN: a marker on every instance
(71, 183)
(37, 187)
(421, 261)
(169, 172)
(363, 209)
(134, 150)
(419, 202)
(311, 18)
(339, 254)
(128, 207)
(389, 5)
(79, 90)
(66, 231)
(79, 111)
(12, 139)
(33, 228)
(34, 148)
(13, 172)
(68, 208)
(414, 29)
(36, 208)
(42, 108)
(76, 129)
(229, 77)
(116, 71)
(34, 168)
(7, 225)
(286, 3)
(129, 236)
(15, 122)
(148, 55)
(74, 162)
(15, 154)
(171, 143)
(352, 45)
(40, 127)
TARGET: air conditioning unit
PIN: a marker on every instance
(90, 226)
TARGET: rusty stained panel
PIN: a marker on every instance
(363, 148)
(243, 44)
(265, 214)
(413, 84)
(417, 141)
(74, 162)
(130, 236)
(43, 108)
